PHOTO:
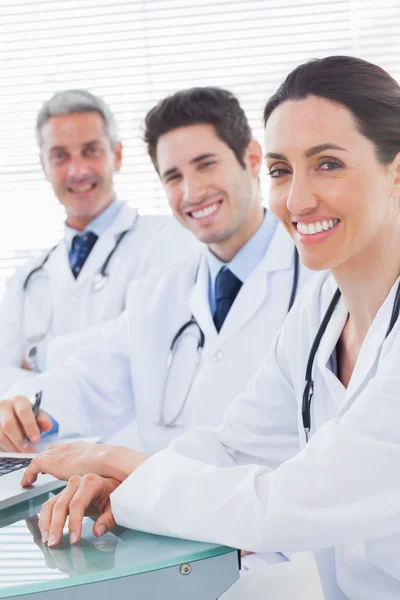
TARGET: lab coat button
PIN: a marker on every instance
(218, 356)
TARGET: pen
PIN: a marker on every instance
(35, 401)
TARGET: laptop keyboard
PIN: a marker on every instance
(7, 465)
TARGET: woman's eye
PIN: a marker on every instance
(330, 165)
(276, 173)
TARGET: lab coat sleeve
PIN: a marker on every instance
(92, 393)
(343, 487)
(60, 348)
(206, 474)
(12, 345)
(170, 244)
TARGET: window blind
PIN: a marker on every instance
(133, 53)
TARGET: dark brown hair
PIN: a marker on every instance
(366, 90)
(200, 105)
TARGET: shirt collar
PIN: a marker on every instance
(97, 226)
(249, 255)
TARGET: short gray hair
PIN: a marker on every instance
(76, 101)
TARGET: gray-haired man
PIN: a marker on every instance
(53, 299)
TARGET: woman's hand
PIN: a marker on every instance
(66, 460)
(89, 494)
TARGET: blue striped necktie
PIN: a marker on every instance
(80, 250)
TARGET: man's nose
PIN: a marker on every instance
(193, 189)
(78, 169)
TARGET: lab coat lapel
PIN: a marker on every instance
(125, 219)
(279, 256)
(370, 352)
(328, 345)
(58, 267)
(199, 305)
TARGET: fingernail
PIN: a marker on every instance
(72, 537)
(45, 536)
(35, 438)
(52, 540)
(101, 530)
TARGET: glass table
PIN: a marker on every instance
(126, 563)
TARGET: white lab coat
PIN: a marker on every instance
(254, 483)
(106, 386)
(56, 307)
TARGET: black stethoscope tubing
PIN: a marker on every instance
(192, 320)
(103, 271)
(37, 269)
(309, 385)
(295, 282)
(160, 419)
(181, 331)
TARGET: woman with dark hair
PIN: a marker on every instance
(309, 456)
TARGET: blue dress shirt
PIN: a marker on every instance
(97, 226)
(246, 259)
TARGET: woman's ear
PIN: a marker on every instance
(395, 170)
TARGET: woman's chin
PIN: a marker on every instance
(315, 262)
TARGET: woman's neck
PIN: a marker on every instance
(366, 280)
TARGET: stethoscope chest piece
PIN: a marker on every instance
(99, 282)
(162, 423)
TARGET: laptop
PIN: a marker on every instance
(13, 466)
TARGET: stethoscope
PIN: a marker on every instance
(100, 280)
(175, 420)
(309, 387)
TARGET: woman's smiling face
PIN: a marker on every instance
(327, 186)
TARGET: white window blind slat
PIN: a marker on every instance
(134, 52)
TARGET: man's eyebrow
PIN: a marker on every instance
(90, 143)
(310, 152)
(201, 157)
(84, 145)
(57, 149)
(169, 172)
(193, 161)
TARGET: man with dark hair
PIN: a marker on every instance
(195, 106)
(191, 338)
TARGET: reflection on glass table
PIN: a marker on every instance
(122, 561)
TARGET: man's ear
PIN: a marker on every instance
(117, 156)
(253, 157)
(44, 166)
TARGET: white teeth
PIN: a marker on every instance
(316, 227)
(83, 188)
(200, 214)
